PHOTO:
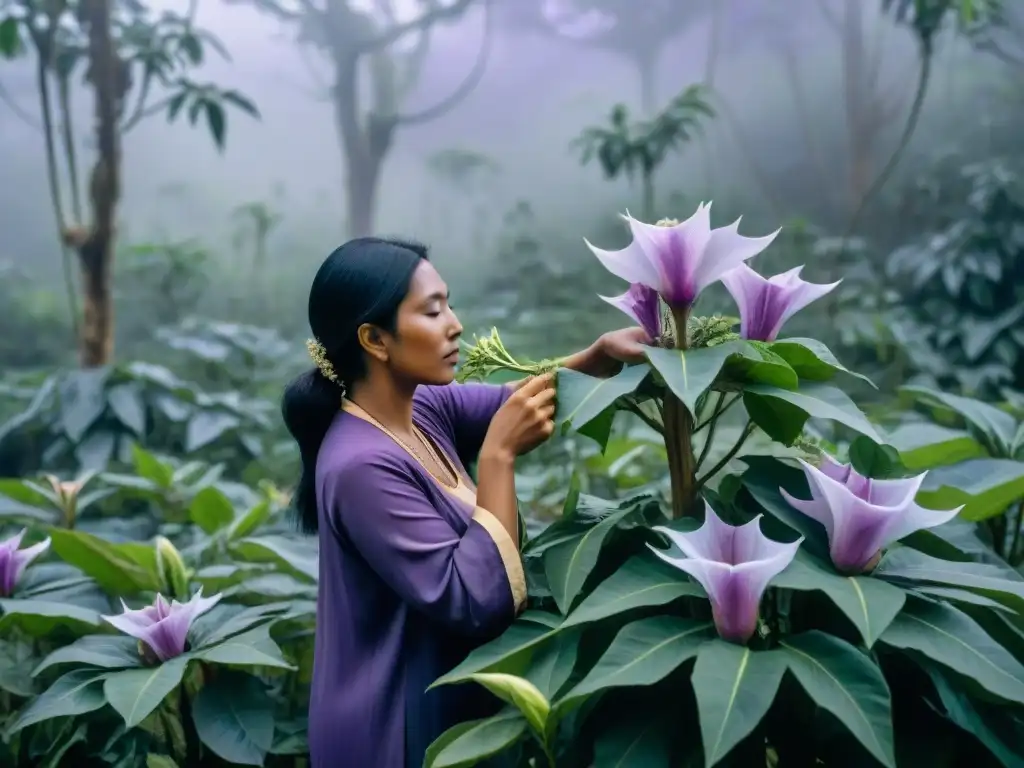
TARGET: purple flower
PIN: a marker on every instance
(640, 303)
(861, 515)
(734, 565)
(680, 260)
(765, 304)
(14, 561)
(163, 626)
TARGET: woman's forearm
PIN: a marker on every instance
(496, 488)
(593, 361)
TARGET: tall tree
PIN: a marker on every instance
(136, 65)
(637, 30)
(361, 48)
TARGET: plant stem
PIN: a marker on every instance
(747, 431)
(713, 420)
(650, 421)
(707, 422)
(679, 435)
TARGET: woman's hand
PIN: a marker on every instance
(606, 356)
(524, 421)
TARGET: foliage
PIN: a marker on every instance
(617, 659)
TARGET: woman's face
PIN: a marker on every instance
(425, 348)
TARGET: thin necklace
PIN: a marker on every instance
(451, 481)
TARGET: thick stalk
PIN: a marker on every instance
(682, 465)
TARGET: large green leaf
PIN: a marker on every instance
(985, 487)
(552, 665)
(951, 638)
(469, 744)
(812, 360)
(962, 711)
(40, 618)
(734, 687)
(691, 373)
(135, 693)
(104, 651)
(234, 718)
(254, 648)
(996, 427)
(211, 510)
(587, 404)
(113, 566)
(76, 693)
(567, 565)
(846, 682)
(766, 368)
(635, 741)
(908, 565)
(297, 556)
(871, 604)
(640, 583)
(782, 413)
(925, 446)
(82, 400)
(214, 627)
(510, 652)
(643, 653)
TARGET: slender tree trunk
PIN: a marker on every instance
(857, 103)
(96, 247)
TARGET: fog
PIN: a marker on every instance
(775, 151)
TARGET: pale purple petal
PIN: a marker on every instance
(676, 251)
(640, 303)
(14, 561)
(167, 637)
(765, 304)
(726, 250)
(734, 564)
(632, 264)
(862, 515)
(163, 626)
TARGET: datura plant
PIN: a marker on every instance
(790, 605)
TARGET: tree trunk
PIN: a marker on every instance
(857, 103)
(96, 248)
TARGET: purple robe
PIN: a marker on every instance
(413, 576)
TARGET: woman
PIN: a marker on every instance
(417, 565)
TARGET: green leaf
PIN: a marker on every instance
(160, 761)
(520, 693)
(111, 565)
(104, 651)
(585, 401)
(254, 648)
(691, 373)
(643, 741)
(250, 521)
(553, 665)
(951, 638)
(1002, 585)
(875, 460)
(995, 426)
(211, 510)
(643, 653)
(812, 360)
(212, 629)
(848, 684)
(769, 369)
(151, 468)
(468, 744)
(567, 565)
(126, 402)
(207, 426)
(640, 583)
(871, 604)
(234, 718)
(215, 122)
(40, 618)
(985, 487)
(782, 413)
(10, 38)
(734, 687)
(296, 556)
(510, 652)
(76, 693)
(82, 397)
(926, 446)
(135, 693)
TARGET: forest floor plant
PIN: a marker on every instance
(790, 610)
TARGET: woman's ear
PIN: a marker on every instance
(372, 341)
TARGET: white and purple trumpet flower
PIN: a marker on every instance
(163, 626)
(766, 303)
(14, 561)
(642, 305)
(862, 515)
(734, 564)
(678, 261)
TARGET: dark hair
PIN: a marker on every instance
(362, 281)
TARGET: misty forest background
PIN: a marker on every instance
(257, 135)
